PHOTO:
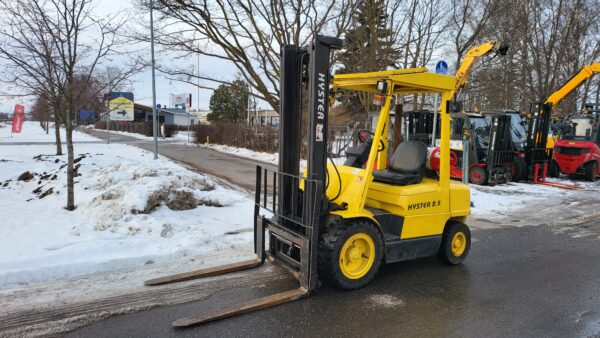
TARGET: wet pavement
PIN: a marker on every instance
(526, 282)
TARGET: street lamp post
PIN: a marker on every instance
(154, 117)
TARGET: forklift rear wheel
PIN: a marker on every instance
(456, 243)
(554, 170)
(350, 253)
(519, 169)
(477, 175)
(591, 170)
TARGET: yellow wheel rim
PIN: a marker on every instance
(459, 243)
(357, 256)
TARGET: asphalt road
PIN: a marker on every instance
(517, 282)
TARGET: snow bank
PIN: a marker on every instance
(272, 158)
(503, 199)
(123, 216)
(32, 132)
(180, 136)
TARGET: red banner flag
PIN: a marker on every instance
(18, 117)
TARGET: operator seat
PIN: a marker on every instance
(407, 165)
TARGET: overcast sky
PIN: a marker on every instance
(142, 83)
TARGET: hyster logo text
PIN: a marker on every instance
(321, 97)
(416, 206)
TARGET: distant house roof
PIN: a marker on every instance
(176, 111)
(160, 110)
(264, 112)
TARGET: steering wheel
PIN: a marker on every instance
(363, 135)
(363, 138)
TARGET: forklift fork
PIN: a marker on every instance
(282, 242)
(259, 250)
(238, 309)
(202, 273)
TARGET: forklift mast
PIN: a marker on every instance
(303, 213)
(500, 153)
(537, 135)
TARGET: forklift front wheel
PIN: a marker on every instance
(456, 243)
(350, 253)
(554, 170)
(591, 170)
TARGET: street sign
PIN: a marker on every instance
(120, 106)
(441, 67)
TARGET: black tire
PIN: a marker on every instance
(331, 244)
(478, 175)
(519, 169)
(446, 253)
(554, 170)
(591, 169)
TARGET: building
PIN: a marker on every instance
(167, 116)
(200, 115)
(264, 117)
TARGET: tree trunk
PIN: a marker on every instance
(57, 134)
(70, 166)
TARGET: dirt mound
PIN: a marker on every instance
(181, 200)
(26, 176)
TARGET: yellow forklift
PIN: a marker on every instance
(341, 223)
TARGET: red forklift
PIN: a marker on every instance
(578, 149)
(543, 160)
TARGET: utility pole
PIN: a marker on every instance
(154, 117)
(248, 111)
(198, 85)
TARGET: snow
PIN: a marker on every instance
(111, 226)
(271, 158)
(32, 132)
(499, 200)
(181, 136)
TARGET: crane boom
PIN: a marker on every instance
(575, 81)
(469, 60)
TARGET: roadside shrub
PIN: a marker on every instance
(238, 135)
(170, 130)
(143, 128)
(146, 128)
(100, 125)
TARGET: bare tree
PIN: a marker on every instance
(249, 34)
(53, 49)
(546, 48)
(469, 23)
